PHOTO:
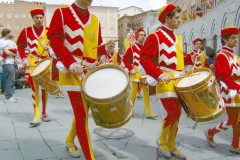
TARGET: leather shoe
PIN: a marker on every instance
(74, 154)
(35, 123)
(163, 153)
(151, 116)
(177, 155)
(234, 150)
(210, 142)
(45, 118)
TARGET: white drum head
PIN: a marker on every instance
(105, 83)
(40, 67)
(192, 80)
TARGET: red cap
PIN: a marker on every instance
(36, 11)
(197, 39)
(229, 30)
(165, 11)
(139, 30)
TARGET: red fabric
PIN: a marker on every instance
(56, 35)
(233, 117)
(196, 40)
(223, 71)
(173, 109)
(139, 30)
(36, 11)
(149, 53)
(44, 101)
(81, 119)
(22, 39)
(4, 55)
(229, 30)
(128, 56)
(165, 11)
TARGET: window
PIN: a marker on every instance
(1, 25)
(1, 15)
(215, 43)
(193, 2)
(9, 26)
(23, 26)
(101, 15)
(9, 15)
(16, 15)
(23, 15)
(112, 31)
(17, 27)
(112, 14)
(29, 16)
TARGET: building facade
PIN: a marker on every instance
(215, 15)
(16, 16)
(147, 20)
(129, 11)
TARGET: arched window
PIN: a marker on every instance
(237, 24)
(215, 43)
(192, 35)
(185, 49)
(204, 42)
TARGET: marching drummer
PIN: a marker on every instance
(227, 73)
(34, 39)
(200, 62)
(85, 29)
(131, 62)
(162, 59)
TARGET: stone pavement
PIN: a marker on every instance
(46, 142)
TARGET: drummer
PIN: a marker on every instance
(34, 40)
(227, 73)
(131, 62)
(167, 48)
(85, 29)
(201, 60)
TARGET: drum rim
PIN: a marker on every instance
(47, 58)
(195, 86)
(102, 66)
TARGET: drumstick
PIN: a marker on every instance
(104, 44)
(184, 76)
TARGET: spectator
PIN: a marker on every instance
(9, 52)
(210, 61)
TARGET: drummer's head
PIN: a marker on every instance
(169, 15)
(84, 3)
(197, 43)
(37, 16)
(230, 36)
(140, 35)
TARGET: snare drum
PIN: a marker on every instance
(106, 89)
(42, 75)
(200, 95)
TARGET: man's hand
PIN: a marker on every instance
(165, 78)
(46, 48)
(25, 63)
(110, 46)
(211, 66)
(76, 69)
(132, 72)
